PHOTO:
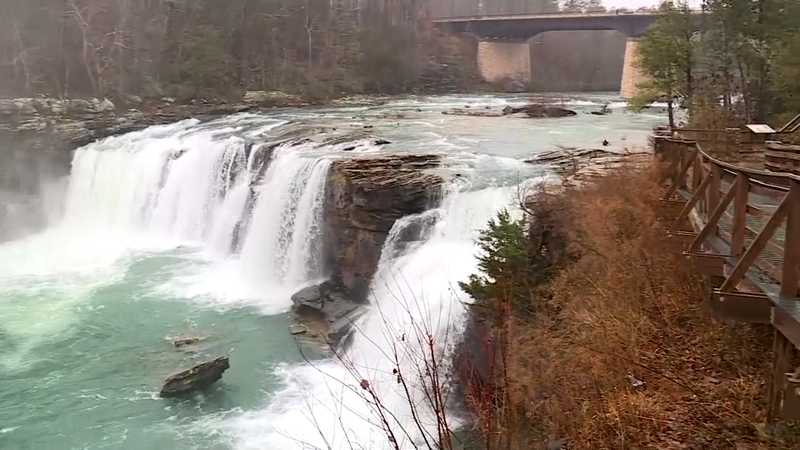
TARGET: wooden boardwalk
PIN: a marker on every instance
(741, 228)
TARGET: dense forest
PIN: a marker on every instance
(212, 48)
(188, 48)
(737, 61)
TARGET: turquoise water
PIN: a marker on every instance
(89, 306)
(94, 383)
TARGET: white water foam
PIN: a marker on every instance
(160, 189)
(322, 405)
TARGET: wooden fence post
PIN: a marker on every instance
(791, 246)
(713, 190)
(783, 354)
(739, 215)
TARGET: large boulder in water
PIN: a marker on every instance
(198, 377)
(539, 111)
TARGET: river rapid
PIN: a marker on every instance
(145, 244)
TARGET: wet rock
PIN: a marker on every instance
(539, 111)
(134, 100)
(604, 110)
(198, 377)
(185, 341)
(177, 153)
(7, 107)
(364, 198)
(271, 98)
(311, 298)
(472, 113)
(25, 106)
(536, 111)
(297, 329)
(45, 124)
(329, 307)
(104, 106)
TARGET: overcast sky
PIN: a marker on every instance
(633, 4)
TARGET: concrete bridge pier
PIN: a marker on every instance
(632, 75)
(505, 62)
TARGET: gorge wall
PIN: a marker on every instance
(364, 198)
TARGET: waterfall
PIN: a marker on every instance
(283, 243)
(416, 284)
(259, 206)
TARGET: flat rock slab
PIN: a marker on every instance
(198, 377)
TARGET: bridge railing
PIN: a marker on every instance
(613, 12)
(607, 13)
(741, 229)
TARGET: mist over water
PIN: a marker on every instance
(183, 230)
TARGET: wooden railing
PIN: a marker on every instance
(741, 229)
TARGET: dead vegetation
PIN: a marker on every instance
(620, 352)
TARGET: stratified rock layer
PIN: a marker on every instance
(364, 198)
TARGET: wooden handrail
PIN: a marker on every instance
(696, 176)
(745, 170)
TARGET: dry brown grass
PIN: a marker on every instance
(628, 308)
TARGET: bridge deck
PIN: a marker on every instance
(525, 26)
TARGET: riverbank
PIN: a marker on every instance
(48, 123)
(607, 343)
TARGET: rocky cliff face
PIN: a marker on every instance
(364, 198)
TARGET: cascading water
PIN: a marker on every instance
(283, 245)
(195, 189)
(323, 405)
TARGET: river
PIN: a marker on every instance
(143, 246)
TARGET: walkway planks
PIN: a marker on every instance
(746, 224)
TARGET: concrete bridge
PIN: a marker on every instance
(504, 40)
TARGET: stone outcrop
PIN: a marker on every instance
(198, 377)
(581, 165)
(56, 124)
(327, 308)
(533, 111)
(364, 198)
(272, 98)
